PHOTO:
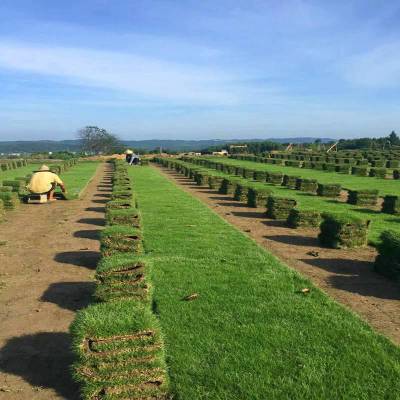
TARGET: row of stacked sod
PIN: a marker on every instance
(355, 197)
(251, 333)
(337, 230)
(117, 341)
(6, 165)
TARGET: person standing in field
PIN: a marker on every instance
(44, 181)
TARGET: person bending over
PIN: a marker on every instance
(44, 181)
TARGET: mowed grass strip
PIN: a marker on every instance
(379, 221)
(14, 173)
(251, 333)
(385, 186)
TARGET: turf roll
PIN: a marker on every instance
(279, 207)
(275, 178)
(391, 204)
(10, 200)
(120, 238)
(329, 189)
(363, 197)
(303, 218)
(290, 181)
(387, 262)
(127, 216)
(342, 230)
(307, 185)
(257, 197)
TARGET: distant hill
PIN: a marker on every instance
(172, 145)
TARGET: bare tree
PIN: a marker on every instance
(95, 140)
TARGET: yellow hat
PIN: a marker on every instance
(44, 168)
(128, 152)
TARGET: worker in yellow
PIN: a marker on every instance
(44, 181)
(128, 155)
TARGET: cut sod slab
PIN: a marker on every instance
(251, 333)
(241, 191)
(118, 204)
(127, 216)
(228, 185)
(2, 210)
(214, 182)
(122, 195)
(391, 205)
(363, 197)
(304, 218)
(279, 207)
(290, 181)
(257, 197)
(343, 231)
(387, 262)
(119, 238)
(307, 185)
(329, 189)
(119, 352)
(10, 200)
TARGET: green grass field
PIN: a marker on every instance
(379, 221)
(251, 333)
(14, 173)
(385, 186)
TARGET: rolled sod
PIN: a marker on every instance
(307, 185)
(378, 172)
(275, 178)
(303, 218)
(17, 185)
(127, 216)
(391, 205)
(214, 182)
(257, 197)
(118, 204)
(387, 262)
(363, 197)
(279, 207)
(343, 231)
(241, 191)
(290, 181)
(119, 238)
(329, 190)
(122, 195)
(10, 200)
(228, 185)
(119, 352)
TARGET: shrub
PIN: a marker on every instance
(127, 216)
(359, 171)
(329, 190)
(290, 181)
(387, 262)
(257, 197)
(10, 200)
(275, 177)
(119, 352)
(279, 207)
(307, 185)
(343, 231)
(391, 205)
(378, 172)
(363, 197)
(303, 218)
(119, 238)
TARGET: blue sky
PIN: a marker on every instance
(199, 69)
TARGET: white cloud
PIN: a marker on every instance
(377, 68)
(142, 76)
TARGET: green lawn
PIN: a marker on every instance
(78, 176)
(251, 334)
(385, 186)
(14, 173)
(379, 221)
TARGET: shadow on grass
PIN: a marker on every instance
(228, 203)
(42, 360)
(69, 295)
(366, 211)
(92, 221)
(274, 223)
(88, 234)
(81, 258)
(96, 209)
(294, 240)
(105, 195)
(100, 201)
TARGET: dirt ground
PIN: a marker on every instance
(48, 255)
(346, 275)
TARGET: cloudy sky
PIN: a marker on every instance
(199, 69)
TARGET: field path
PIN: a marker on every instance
(46, 275)
(346, 275)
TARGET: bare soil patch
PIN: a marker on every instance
(346, 275)
(46, 270)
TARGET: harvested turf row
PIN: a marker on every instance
(117, 342)
(250, 333)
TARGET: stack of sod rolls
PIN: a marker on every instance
(275, 178)
(387, 262)
(343, 231)
(241, 191)
(228, 185)
(391, 205)
(257, 196)
(329, 190)
(290, 181)
(279, 207)
(303, 218)
(117, 342)
(363, 197)
(307, 185)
